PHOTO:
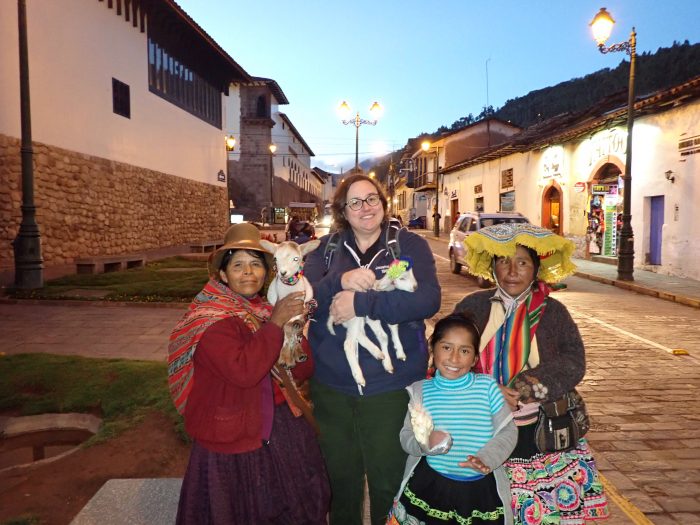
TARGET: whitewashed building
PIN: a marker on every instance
(127, 118)
(449, 149)
(565, 174)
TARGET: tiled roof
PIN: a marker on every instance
(609, 112)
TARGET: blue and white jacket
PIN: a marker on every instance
(406, 309)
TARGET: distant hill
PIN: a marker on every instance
(665, 68)
(655, 71)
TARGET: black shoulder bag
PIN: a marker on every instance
(561, 423)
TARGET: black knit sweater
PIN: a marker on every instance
(562, 356)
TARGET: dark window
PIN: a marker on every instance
(261, 108)
(171, 79)
(121, 101)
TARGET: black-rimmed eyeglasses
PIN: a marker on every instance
(356, 203)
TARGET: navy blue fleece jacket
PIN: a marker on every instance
(406, 309)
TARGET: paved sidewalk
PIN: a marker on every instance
(677, 289)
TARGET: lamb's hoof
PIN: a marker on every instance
(379, 357)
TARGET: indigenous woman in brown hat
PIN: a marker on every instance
(253, 460)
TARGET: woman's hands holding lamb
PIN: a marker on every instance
(358, 280)
(287, 308)
(343, 306)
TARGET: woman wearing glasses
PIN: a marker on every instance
(359, 430)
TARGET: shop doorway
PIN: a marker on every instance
(656, 228)
(454, 210)
(604, 210)
(552, 209)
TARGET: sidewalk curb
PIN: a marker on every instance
(632, 287)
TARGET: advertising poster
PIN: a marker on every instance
(610, 235)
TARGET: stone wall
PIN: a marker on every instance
(93, 206)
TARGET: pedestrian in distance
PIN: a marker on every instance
(359, 432)
(458, 431)
(253, 459)
(532, 347)
(293, 226)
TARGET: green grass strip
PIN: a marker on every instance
(119, 391)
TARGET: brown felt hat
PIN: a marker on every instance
(241, 236)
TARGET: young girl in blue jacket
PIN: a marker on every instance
(458, 432)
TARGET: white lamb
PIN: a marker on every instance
(289, 259)
(399, 276)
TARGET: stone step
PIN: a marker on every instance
(150, 501)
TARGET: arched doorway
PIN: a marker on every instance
(552, 209)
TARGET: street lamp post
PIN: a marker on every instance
(426, 146)
(374, 110)
(273, 148)
(29, 265)
(602, 26)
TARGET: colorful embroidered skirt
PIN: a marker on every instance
(430, 498)
(562, 488)
(284, 482)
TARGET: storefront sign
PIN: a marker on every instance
(606, 143)
(603, 189)
(552, 162)
(580, 187)
(689, 146)
(478, 188)
(453, 195)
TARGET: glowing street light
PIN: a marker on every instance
(601, 27)
(345, 112)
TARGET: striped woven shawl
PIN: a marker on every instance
(507, 353)
(214, 303)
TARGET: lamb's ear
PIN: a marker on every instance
(310, 246)
(268, 245)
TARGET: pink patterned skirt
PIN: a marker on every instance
(563, 487)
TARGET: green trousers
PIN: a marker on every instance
(360, 436)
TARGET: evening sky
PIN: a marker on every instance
(425, 62)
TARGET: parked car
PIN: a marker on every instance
(470, 222)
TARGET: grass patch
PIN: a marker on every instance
(118, 390)
(156, 282)
(22, 520)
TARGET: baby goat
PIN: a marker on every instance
(289, 259)
(399, 276)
